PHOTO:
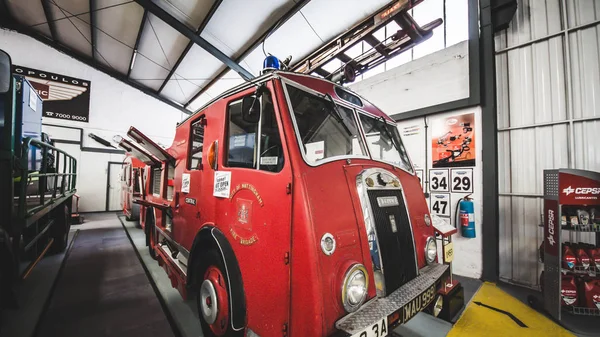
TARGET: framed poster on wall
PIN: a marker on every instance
(453, 141)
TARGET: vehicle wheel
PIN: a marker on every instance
(60, 230)
(150, 232)
(135, 215)
(213, 297)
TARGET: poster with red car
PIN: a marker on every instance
(453, 141)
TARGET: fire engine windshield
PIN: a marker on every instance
(384, 142)
(326, 130)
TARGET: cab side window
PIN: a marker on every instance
(197, 141)
(244, 148)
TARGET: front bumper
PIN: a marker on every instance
(377, 308)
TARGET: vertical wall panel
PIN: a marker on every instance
(582, 11)
(585, 69)
(504, 162)
(505, 239)
(534, 19)
(543, 89)
(587, 145)
(502, 91)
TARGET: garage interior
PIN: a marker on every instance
(136, 132)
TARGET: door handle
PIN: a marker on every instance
(176, 200)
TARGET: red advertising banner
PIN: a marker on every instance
(453, 141)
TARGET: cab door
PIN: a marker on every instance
(252, 188)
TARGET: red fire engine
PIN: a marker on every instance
(131, 187)
(289, 206)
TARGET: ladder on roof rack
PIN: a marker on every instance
(409, 35)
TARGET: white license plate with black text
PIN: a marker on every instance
(377, 329)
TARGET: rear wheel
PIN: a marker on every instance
(60, 230)
(213, 297)
(135, 215)
(150, 233)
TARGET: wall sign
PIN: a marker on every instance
(440, 204)
(453, 141)
(64, 97)
(439, 180)
(461, 180)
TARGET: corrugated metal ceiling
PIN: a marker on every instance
(166, 62)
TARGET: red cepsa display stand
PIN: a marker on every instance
(571, 232)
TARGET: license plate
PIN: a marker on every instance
(417, 304)
(377, 329)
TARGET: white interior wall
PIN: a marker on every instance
(548, 117)
(434, 79)
(114, 107)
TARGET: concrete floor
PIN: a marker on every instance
(104, 290)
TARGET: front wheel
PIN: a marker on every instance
(213, 298)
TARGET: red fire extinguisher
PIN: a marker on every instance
(467, 216)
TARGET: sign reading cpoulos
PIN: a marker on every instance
(64, 97)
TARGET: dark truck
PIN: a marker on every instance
(37, 183)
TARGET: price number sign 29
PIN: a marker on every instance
(461, 180)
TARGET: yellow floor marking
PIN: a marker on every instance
(480, 321)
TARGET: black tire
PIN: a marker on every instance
(213, 258)
(135, 215)
(150, 232)
(60, 230)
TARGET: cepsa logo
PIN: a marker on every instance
(551, 222)
(583, 192)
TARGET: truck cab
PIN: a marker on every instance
(289, 206)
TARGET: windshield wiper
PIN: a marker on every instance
(333, 111)
(389, 134)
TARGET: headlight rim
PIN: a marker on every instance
(355, 267)
(430, 239)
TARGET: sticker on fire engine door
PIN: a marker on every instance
(222, 184)
(185, 183)
(440, 204)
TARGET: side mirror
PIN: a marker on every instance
(251, 109)
(5, 72)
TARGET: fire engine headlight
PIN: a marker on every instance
(430, 250)
(354, 288)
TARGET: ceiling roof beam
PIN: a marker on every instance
(93, 27)
(96, 65)
(137, 43)
(288, 15)
(50, 19)
(209, 16)
(190, 34)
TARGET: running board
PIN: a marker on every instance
(175, 261)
